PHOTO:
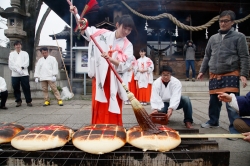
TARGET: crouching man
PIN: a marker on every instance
(46, 70)
(3, 93)
(166, 96)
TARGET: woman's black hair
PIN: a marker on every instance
(143, 50)
(127, 21)
(166, 68)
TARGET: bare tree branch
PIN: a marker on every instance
(39, 30)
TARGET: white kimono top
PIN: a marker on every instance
(3, 86)
(130, 73)
(46, 68)
(147, 77)
(234, 102)
(98, 66)
(161, 94)
(16, 61)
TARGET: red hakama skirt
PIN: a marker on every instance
(100, 113)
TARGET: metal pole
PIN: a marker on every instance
(71, 45)
(84, 85)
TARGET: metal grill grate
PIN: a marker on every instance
(126, 156)
(189, 152)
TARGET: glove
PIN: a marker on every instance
(53, 79)
(36, 80)
(20, 71)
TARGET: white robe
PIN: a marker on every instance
(161, 94)
(98, 66)
(46, 68)
(132, 70)
(3, 85)
(18, 60)
(147, 77)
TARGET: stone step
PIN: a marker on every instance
(200, 88)
(195, 89)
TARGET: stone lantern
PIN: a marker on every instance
(14, 16)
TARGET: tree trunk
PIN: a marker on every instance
(38, 33)
(33, 8)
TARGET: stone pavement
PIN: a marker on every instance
(77, 113)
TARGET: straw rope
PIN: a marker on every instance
(178, 23)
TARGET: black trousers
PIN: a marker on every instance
(4, 96)
(24, 81)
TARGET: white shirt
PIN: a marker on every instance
(234, 102)
(3, 86)
(161, 94)
(132, 70)
(18, 60)
(46, 68)
(147, 77)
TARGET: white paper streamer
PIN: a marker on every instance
(237, 28)
(146, 25)
(206, 34)
(176, 31)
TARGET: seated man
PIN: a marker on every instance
(3, 92)
(242, 106)
(166, 96)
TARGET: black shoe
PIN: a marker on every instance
(233, 139)
(29, 104)
(3, 108)
(19, 104)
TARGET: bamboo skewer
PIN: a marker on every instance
(212, 136)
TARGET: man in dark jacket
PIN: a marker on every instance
(190, 48)
(227, 58)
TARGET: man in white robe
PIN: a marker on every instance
(18, 64)
(166, 96)
(46, 71)
(3, 93)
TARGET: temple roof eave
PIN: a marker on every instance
(63, 35)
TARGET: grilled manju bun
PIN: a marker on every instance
(42, 137)
(146, 140)
(8, 131)
(100, 138)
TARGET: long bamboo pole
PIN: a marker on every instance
(63, 64)
(212, 136)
